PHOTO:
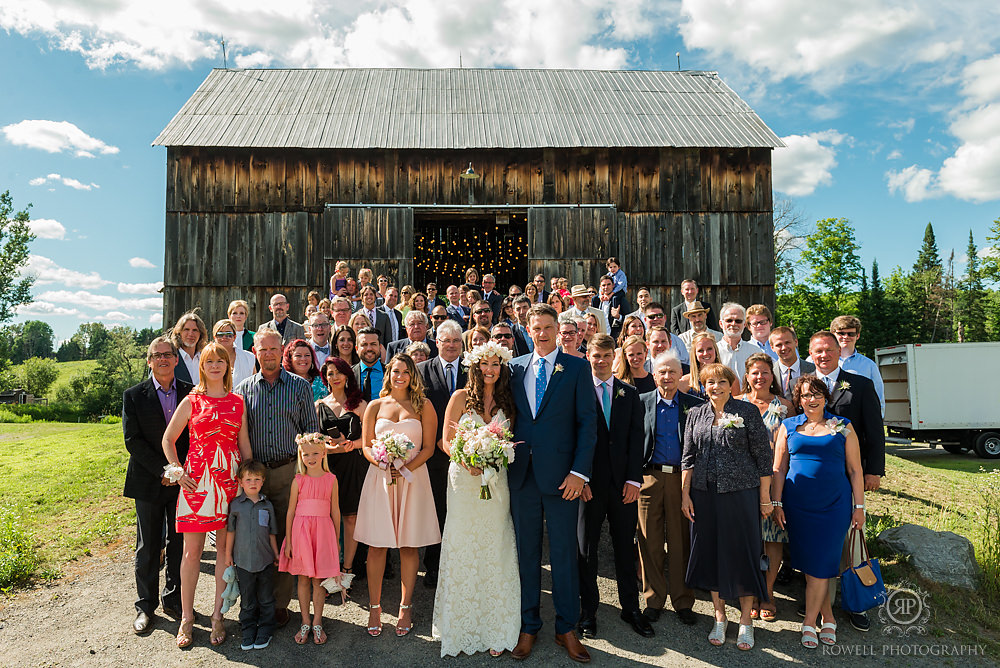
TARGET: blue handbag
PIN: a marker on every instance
(861, 586)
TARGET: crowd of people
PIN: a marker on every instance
(717, 458)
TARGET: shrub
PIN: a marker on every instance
(989, 552)
(10, 417)
(111, 419)
(36, 375)
(18, 561)
(54, 412)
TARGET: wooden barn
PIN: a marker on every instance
(275, 175)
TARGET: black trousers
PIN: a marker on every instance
(256, 604)
(156, 530)
(622, 521)
(438, 474)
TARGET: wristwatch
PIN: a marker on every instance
(861, 507)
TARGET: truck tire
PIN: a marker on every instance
(954, 448)
(988, 445)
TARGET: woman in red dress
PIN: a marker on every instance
(219, 440)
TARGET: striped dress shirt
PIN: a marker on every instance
(276, 414)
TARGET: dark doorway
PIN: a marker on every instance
(445, 245)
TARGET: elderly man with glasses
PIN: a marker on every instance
(733, 350)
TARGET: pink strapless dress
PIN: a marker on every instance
(400, 515)
(314, 541)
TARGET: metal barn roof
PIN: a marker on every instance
(369, 108)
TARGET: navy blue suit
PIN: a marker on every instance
(559, 439)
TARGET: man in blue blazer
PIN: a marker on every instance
(556, 432)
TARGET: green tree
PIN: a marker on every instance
(928, 258)
(15, 235)
(832, 253)
(805, 310)
(122, 365)
(900, 319)
(37, 340)
(926, 291)
(69, 351)
(971, 300)
(36, 375)
(92, 338)
(991, 262)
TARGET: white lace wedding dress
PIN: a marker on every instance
(477, 606)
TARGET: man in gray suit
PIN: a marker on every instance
(288, 328)
(790, 366)
(378, 318)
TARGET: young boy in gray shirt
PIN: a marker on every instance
(253, 548)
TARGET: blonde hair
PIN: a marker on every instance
(693, 363)
(300, 466)
(216, 349)
(415, 391)
(236, 303)
(625, 371)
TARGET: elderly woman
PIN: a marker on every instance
(817, 479)
(725, 490)
(704, 351)
(762, 391)
(419, 351)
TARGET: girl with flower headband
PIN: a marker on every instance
(474, 609)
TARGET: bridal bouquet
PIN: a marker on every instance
(489, 447)
(392, 449)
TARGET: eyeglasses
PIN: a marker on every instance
(162, 356)
(482, 311)
(847, 335)
(503, 336)
(342, 310)
(811, 395)
(228, 335)
(320, 325)
(735, 321)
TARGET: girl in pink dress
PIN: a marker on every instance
(310, 549)
(396, 507)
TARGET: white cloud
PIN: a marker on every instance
(55, 137)
(914, 183)
(141, 263)
(65, 180)
(895, 154)
(43, 308)
(46, 228)
(117, 316)
(310, 33)
(806, 162)
(102, 302)
(829, 43)
(140, 288)
(156, 319)
(46, 271)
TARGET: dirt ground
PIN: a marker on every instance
(85, 619)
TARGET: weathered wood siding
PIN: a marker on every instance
(243, 223)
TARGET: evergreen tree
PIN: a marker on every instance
(971, 302)
(928, 259)
(925, 292)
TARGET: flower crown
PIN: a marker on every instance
(484, 351)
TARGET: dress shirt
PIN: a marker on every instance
(737, 359)
(244, 366)
(783, 372)
(280, 326)
(688, 334)
(453, 379)
(276, 413)
(831, 380)
(250, 526)
(191, 363)
(371, 315)
(764, 347)
(597, 312)
(529, 384)
(320, 355)
(167, 397)
(599, 388)
(527, 339)
(864, 366)
(667, 448)
(392, 323)
(377, 373)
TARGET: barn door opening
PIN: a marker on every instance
(445, 245)
(571, 241)
(380, 238)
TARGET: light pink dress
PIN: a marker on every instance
(400, 515)
(314, 540)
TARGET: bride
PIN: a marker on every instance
(474, 609)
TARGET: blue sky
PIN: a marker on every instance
(891, 110)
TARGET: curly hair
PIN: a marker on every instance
(808, 382)
(286, 358)
(503, 396)
(415, 392)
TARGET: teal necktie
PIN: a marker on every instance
(606, 402)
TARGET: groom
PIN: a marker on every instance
(556, 431)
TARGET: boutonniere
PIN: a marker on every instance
(844, 385)
(730, 421)
(620, 393)
(686, 409)
(777, 410)
(558, 368)
(837, 426)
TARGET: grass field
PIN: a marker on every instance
(66, 482)
(67, 370)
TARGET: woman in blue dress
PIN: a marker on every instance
(817, 479)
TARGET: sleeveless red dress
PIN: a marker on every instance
(212, 460)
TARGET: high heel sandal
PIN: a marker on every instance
(718, 635)
(218, 631)
(185, 633)
(375, 631)
(401, 630)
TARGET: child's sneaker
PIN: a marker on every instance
(247, 641)
(262, 643)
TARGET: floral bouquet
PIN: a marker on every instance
(392, 449)
(730, 421)
(488, 447)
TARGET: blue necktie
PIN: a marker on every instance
(323, 349)
(606, 401)
(540, 382)
(829, 384)
(451, 378)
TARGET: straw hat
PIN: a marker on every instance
(697, 308)
(580, 291)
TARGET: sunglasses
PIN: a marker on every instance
(482, 312)
(848, 335)
(655, 316)
(439, 317)
(162, 356)
(225, 335)
(503, 336)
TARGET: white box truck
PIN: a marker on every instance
(944, 393)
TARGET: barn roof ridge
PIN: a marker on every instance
(464, 108)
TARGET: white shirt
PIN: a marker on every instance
(833, 378)
(453, 381)
(320, 356)
(737, 359)
(689, 334)
(783, 371)
(529, 385)
(191, 363)
(244, 366)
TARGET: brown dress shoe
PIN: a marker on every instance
(522, 650)
(573, 646)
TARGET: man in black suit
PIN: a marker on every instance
(395, 317)
(611, 304)
(852, 397)
(491, 296)
(660, 517)
(790, 367)
(378, 318)
(613, 490)
(146, 410)
(432, 297)
(680, 324)
(543, 294)
(417, 324)
(442, 375)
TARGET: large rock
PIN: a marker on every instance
(939, 556)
